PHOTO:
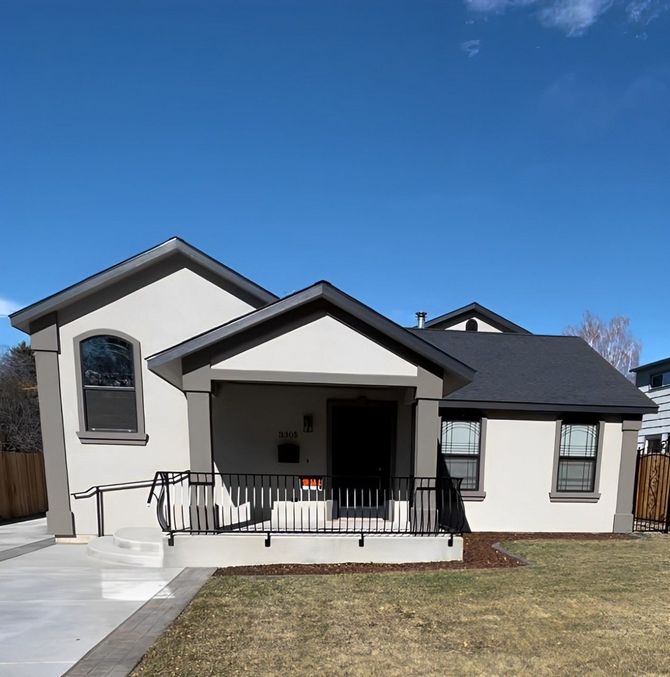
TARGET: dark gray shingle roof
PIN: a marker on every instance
(537, 372)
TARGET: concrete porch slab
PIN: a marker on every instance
(224, 550)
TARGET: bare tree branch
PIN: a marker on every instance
(19, 408)
(613, 340)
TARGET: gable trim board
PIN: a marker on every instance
(480, 312)
(295, 311)
(245, 289)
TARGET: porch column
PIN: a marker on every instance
(623, 518)
(198, 391)
(46, 347)
(426, 435)
(427, 423)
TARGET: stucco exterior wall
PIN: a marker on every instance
(157, 315)
(518, 476)
(325, 345)
(247, 420)
(481, 325)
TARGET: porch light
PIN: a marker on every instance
(308, 423)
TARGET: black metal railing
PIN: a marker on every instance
(210, 503)
(98, 492)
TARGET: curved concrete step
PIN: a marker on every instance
(139, 539)
(104, 548)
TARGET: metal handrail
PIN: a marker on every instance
(100, 490)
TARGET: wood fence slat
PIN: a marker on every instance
(22, 484)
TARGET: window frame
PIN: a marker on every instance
(661, 374)
(110, 436)
(478, 494)
(555, 495)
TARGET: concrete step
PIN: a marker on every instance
(139, 539)
(104, 548)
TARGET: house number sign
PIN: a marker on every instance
(288, 435)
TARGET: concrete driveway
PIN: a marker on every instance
(56, 603)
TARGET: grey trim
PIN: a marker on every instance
(652, 365)
(573, 497)
(45, 334)
(60, 520)
(200, 431)
(311, 377)
(481, 312)
(23, 318)
(552, 407)
(110, 436)
(426, 425)
(322, 298)
(576, 496)
(473, 496)
(623, 518)
(19, 550)
(119, 652)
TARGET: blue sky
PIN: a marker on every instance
(420, 155)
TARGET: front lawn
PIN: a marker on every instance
(597, 607)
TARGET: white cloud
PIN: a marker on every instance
(496, 5)
(471, 47)
(7, 307)
(645, 11)
(575, 17)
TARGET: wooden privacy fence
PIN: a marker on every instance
(23, 489)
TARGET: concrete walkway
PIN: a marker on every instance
(20, 537)
(57, 603)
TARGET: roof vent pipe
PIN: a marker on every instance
(421, 319)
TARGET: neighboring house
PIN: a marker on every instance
(313, 411)
(653, 380)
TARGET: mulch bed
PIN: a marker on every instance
(478, 553)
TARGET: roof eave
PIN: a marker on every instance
(612, 409)
(23, 318)
(321, 290)
(481, 310)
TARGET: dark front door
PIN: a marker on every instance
(361, 445)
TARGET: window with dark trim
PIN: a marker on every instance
(654, 445)
(461, 450)
(577, 457)
(660, 380)
(109, 384)
(471, 325)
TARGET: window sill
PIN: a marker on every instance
(474, 496)
(573, 497)
(108, 437)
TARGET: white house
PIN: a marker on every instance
(653, 380)
(310, 427)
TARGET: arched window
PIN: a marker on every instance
(471, 325)
(110, 386)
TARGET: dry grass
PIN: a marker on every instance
(596, 607)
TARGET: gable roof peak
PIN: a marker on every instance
(477, 309)
(257, 295)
